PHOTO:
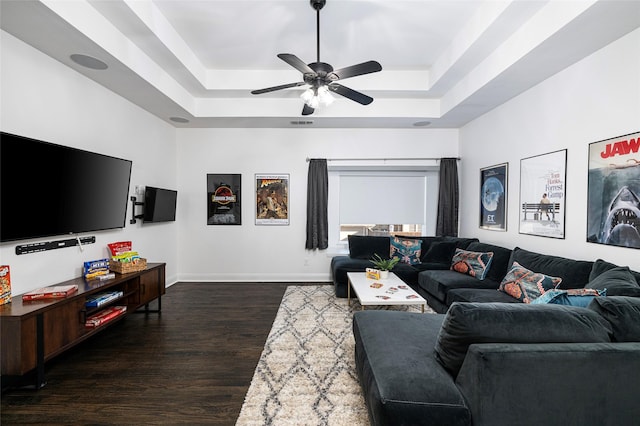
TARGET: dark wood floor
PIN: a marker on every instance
(192, 364)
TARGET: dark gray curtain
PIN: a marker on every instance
(317, 200)
(447, 222)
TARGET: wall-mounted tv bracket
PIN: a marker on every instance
(52, 245)
(134, 216)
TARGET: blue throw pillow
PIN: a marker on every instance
(574, 297)
(406, 249)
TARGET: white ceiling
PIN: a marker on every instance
(444, 61)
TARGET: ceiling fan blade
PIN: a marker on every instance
(307, 110)
(296, 62)
(274, 88)
(359, 69)
(361, 98)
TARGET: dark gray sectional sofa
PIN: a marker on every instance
(362, 249)
(487, 358)
(502, 364)
(440, 286)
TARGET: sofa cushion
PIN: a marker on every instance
(439, 282)
(469, 323)
(472, 263)
(426, 243)
(600, 266)
(440, 252)
(462, 243)
(552, 384)
(340, 265)
(407, 273)
(574, 273)
(405, 249)
(484, 295)
(618, 281)
(622, 313)
(402, 381)
(526, 285)
(431, 266)
(364, 247)
(500, 263)
(572, 297)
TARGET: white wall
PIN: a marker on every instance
(272, 253)
(597, 98)
(43, 99)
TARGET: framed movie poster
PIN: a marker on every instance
(613, 197)
(493, 197)
(272, 199)
(223, 199)
(542, 194)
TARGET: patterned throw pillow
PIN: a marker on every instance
(407, 250)
(526, 285)
(472, 263)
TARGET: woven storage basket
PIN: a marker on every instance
(126, 267)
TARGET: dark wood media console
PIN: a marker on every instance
(32, 332)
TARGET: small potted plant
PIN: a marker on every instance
(384, 265)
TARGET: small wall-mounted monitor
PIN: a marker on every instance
(159, 204)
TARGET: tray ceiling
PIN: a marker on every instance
(444, 62)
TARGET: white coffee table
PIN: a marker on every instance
(390, 291)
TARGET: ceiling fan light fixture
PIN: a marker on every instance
(307, 95)
(314, 102)
(317, 97)
(321, 78)
(324, 96)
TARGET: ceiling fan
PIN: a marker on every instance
(321, 77)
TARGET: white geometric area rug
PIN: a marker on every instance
(306, 374)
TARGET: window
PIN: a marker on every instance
(381, 201)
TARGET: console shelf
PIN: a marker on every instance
(33, 332)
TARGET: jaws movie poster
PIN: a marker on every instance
(613, 216)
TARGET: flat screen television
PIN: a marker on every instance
(48, 189)
(159, 204)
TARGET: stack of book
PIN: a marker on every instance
(105, 316)
(102, 298)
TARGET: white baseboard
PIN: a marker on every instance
(255, 277)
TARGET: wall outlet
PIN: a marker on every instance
(139, 189)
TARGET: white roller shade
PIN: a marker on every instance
(389, 199)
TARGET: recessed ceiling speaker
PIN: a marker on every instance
(88, 62)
